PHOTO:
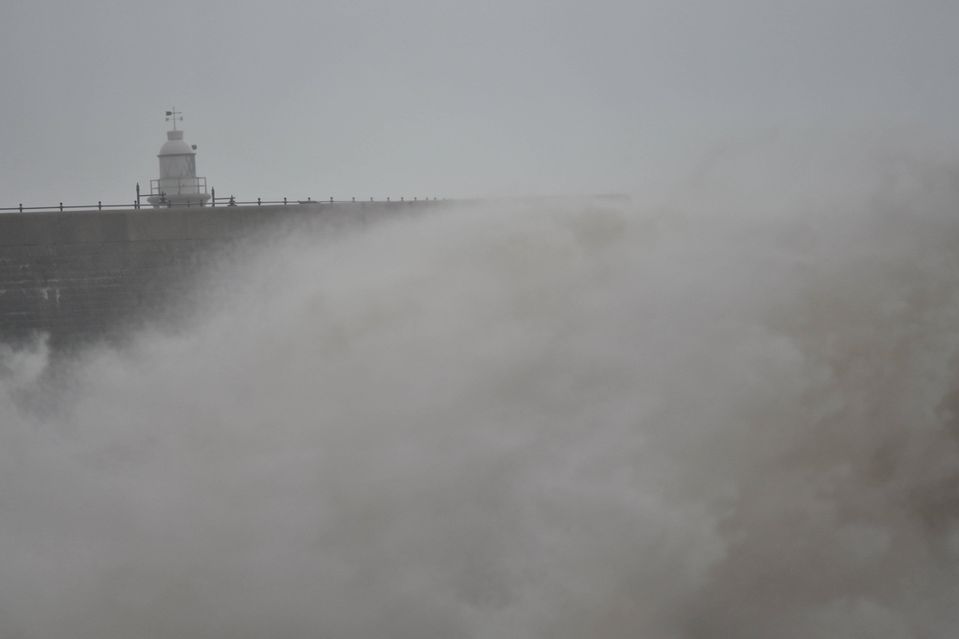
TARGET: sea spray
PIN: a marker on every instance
(515, 420)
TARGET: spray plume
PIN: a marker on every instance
(736, 419)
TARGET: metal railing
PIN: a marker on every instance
(99, 206)
(230, 200)
(184, 185)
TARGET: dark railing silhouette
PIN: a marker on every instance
(61, 207)
(215, 201)
(192, 186)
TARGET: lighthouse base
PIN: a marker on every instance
(178, 191)
(179, 199)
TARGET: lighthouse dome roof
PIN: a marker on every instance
(175, 145)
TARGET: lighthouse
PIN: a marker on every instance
(178, 184)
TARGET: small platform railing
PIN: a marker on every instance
(179, 186)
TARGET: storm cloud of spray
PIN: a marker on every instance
(733, 418)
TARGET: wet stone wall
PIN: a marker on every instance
(84, 276)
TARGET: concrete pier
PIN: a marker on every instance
(85, 276)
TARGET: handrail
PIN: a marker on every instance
(228, 201)
(193, 182)
(63, 207)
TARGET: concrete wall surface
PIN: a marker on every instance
(85, 276)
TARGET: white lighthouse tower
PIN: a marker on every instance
(178, 184)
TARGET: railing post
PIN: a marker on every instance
(212, 196)
(136, 204)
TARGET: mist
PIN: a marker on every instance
(733, 414)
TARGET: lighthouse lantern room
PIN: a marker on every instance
(178, 184)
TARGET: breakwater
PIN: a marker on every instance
(90, 275)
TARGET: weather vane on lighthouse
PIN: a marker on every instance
(173, 116)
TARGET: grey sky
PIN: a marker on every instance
(452, 99)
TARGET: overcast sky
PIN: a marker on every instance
(447, 98)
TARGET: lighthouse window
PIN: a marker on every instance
(178, 166)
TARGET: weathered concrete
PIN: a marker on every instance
(84, 276)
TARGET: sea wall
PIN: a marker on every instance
(84, 276)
